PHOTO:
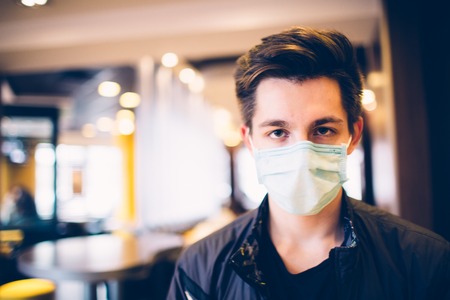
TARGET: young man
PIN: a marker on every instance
(300, 92)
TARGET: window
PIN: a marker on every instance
(89, 181)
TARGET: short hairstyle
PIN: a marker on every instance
(299, 54)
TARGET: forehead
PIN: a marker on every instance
(305, 100)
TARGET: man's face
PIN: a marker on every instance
(288, 112)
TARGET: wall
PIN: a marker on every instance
(418, 35)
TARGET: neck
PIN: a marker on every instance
(325, 226)
(304, 241)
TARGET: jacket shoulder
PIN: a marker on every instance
(415, 256)
(393, 231)
(203, 260)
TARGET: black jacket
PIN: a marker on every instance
(392, 259)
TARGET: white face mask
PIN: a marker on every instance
(302, 178)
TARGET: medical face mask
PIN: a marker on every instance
(302, 178)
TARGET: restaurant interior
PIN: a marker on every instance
(120, 126)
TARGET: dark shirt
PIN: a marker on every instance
(315, 283)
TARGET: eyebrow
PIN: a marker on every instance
(274, 123)
(284, 124)
(327, 120)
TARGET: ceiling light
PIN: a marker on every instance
(125, 114)
(232, 139)
(224, 128)
(369, 101)
(197, 85)
(125, 121)
(18, 156)
(187, 75)
(130, 100)
(32, 3)
(109, 89)
(104, 124)
(125, 126)
(169, 60)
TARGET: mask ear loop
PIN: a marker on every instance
(348, 144)
(349, 141)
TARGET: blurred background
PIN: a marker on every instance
(121, 114)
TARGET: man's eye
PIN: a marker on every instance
(277, 134)
(324, 131)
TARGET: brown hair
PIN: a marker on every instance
(300, 54)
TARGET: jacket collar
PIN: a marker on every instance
(244, 261)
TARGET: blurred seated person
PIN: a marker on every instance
(18, 207)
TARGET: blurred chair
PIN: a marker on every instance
(28, 289)
(162, 271)
(156, 283)
(10, 240)
(13, 239)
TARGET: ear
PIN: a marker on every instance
(356, 136)
(245, 134)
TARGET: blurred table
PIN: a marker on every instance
(94, 259)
